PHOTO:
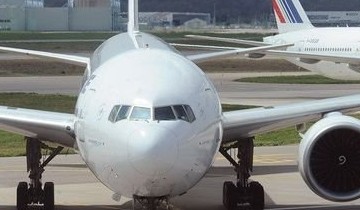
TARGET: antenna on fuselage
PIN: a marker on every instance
(133, 15)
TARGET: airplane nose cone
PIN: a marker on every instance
(152, 150)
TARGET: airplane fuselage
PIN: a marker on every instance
(337, 41)
(148, 119)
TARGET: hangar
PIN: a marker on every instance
(74, 15)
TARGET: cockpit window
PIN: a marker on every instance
(190, 113)
(181, 113)
(113, 113)
(164, 113)
(140, 113)
(123, 113)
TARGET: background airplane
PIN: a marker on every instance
(148, 123)
(333, 52)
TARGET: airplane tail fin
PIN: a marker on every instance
(133, 15)
(290, 16)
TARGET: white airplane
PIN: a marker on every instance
(326, 51)
(148, 123)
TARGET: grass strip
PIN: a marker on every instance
(14, 145)
(280, 137)
(304, 79)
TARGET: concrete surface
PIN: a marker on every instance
(78, 189)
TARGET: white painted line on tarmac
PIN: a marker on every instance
(306, 207)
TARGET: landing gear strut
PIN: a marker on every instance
(244, 193)
(33, 192)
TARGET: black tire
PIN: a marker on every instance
(257, 201)
(49, 196)
(22, 196)
(229, 195)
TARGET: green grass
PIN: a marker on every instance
(56, 103)
(8, 35)
(306, 79)
(60, 47)
(13, 35)
(179, 37)
(280, 137)
(277, 138)
(172, 37)
(13, 144)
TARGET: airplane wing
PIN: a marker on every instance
(313, 58)
(71, 59)
(305, 56)
(207, 47)
(238, 51)
(46, 126)
(247, 123)
(228, 40)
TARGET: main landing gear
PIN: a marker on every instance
(244, 194)
(33, 193)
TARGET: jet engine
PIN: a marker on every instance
(329, 157)
(255, 55)
(309, 60)
(354, 67)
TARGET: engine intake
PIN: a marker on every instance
(329, 158)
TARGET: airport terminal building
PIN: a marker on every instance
(334, 18)
(74, 15)
(86, 15)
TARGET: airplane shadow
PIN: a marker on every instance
(221, 170)
(257, 170)
(127, 206)
(64, 165)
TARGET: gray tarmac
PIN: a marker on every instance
(274, 94)
(78, 189)
(69, 85)
(229, 91)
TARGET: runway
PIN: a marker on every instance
(229, 91)
(78, 189)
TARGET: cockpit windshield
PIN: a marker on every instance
(164, 113)
(123, 112)
(175, 112)
(140, 113)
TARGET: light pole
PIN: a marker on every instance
(214, 12)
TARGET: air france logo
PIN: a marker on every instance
(286, 11)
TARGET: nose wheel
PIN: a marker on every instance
(243, 194)
(34, 192)
(151, 203)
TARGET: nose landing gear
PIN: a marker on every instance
(34, 193)
(151, 203)
(244, 193)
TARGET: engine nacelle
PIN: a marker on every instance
(255, 55)
(354, 67)
(329, 158)
(309, 60)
